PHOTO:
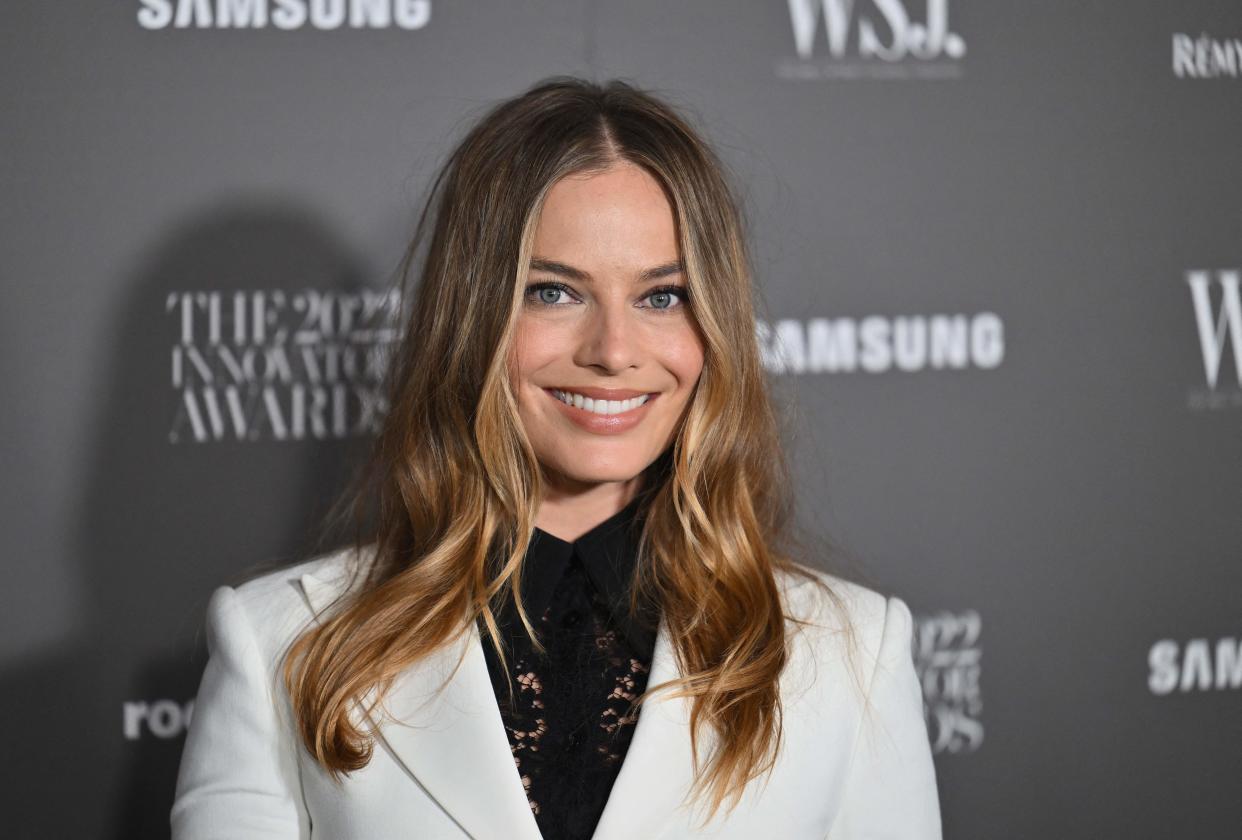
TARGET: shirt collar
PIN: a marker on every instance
(608, 552)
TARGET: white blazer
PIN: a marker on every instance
(446, 771)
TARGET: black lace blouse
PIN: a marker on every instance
(568, 726)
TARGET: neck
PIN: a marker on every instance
(568, 513)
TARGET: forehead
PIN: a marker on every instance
(608, 215)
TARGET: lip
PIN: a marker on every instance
(603, 424)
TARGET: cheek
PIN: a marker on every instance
(529, 352)
(684, 356)
(539, 346)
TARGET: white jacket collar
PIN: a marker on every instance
(453, 743)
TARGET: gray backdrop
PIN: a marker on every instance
(999, 248)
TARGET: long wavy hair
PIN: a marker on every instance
(445, 506)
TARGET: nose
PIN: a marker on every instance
(610, 341)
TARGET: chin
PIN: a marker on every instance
(582, 470)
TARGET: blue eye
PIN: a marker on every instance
(544, 296)
(660, 297)
(546, 293)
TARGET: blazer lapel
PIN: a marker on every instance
(452, 742)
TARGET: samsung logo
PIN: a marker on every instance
(283, 14)
(1195, 666)
(877, 343)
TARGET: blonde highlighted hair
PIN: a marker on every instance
(446, 503)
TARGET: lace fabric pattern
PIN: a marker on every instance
(570, 722)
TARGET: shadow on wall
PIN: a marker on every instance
(160, 525)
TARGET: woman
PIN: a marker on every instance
(575, 611)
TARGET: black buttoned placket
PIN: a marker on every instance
(568, 726)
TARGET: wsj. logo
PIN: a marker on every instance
(890, 41)
(1194, 668)
(283, 14)
(1206, 57)
(876, 344)
(947, 658)
(1218, 331)
(275, 365)
(162, 718)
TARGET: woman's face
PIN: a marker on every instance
(607, 352)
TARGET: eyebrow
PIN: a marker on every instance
(554, 267)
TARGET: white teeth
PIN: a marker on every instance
(600, 406)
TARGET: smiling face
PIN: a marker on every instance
(606, 353)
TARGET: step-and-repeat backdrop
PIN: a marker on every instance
(998, 245)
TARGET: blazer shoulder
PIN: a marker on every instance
(275, 604)
(863, 637)
(279, 586)
(832, 602)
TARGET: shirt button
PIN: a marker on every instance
(571, 619)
